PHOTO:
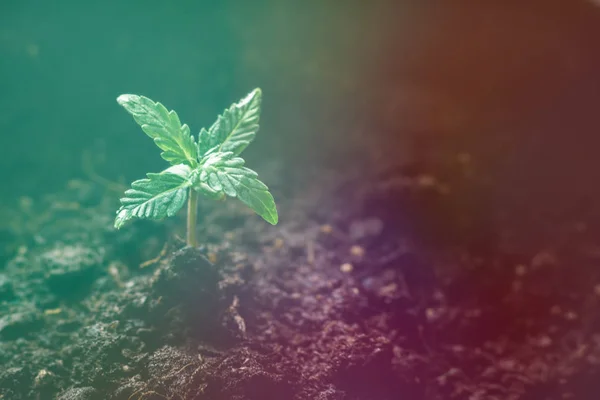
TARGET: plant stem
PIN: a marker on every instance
(192, 214)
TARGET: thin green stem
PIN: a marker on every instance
(192, 215)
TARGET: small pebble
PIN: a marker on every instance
(357, 251)
(388, 290)
(433, 314)
(113, 325)
(346, 268)
(278, 243)
(212, 257)
(41, 377)
(327, 229)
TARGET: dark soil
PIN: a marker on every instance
(405, 284)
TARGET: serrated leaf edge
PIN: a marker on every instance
(178, 170)
(191, 158)
(256, 92)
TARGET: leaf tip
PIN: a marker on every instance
(121, 218)
(126, 98)
(272, 217)
(254, 95)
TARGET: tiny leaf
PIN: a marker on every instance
(225, 173)
(235, 129)
(164, 127)
(159, 196)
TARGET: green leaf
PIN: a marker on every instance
(159, 196)
(225, 173)
(164, 127)
(204, 143)
(235, 129)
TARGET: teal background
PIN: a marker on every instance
(516, 85)
(63, 64)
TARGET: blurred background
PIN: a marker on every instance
(515, 85)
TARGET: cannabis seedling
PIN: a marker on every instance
(208, 166)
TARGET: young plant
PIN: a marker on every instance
(210, 165)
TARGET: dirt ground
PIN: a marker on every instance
(404, 284)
